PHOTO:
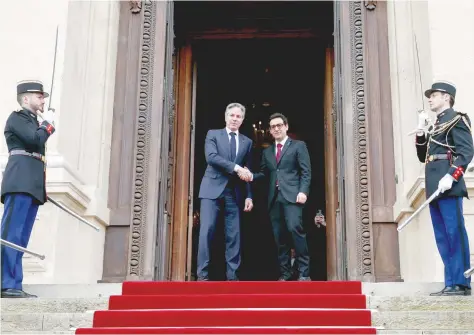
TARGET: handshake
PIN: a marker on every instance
(245, 174)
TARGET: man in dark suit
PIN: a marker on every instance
(288, 166)
(227, 153)
(23, 183)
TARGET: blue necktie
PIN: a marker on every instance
(233, 146)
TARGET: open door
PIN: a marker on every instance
(162, 254)
(330, 157)
(182, 170)
(191, 176)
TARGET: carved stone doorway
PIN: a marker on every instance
(145, 82)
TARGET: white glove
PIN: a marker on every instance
(423, 118)
(47, 116)
(445, 183)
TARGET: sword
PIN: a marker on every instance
(17, 247)
(469, 272)
(54, 70)
(426, 203)
(77, 216)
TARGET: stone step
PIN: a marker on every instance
(420, 303)
(428, 320)
(108, 289)
(400, 288)
(74, 290)
(380, 303)
(47, 322)
(54, 305)
(402, 320)
(40, 332)
(424, 332)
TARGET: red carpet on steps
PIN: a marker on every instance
(334, 307)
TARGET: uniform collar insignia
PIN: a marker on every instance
(440, 115)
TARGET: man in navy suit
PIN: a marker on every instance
(287, 165)
(227, 153)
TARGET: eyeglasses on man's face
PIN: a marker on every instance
(276, 126)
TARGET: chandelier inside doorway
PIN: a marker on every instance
(261, 111)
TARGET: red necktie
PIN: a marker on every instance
(278, 155)
(278, 152)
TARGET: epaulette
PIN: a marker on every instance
(467, 121)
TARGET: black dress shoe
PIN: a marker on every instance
(14, 293)
(457, 290)
(304, 279)
(440, 292)
(284, 278)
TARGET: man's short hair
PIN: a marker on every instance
(276, 116)
(19, 97)
(233, 105)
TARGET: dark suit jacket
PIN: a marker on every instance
(24, 174)
(459, 137)
(293, 171)
(220, 169)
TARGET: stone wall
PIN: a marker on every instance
(438, 32)
(79, 152)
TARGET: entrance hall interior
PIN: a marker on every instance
(271, 72)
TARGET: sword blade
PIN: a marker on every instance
(469, 272)
(426, 203)
(77, 216)
(18, 248)
(54, 70)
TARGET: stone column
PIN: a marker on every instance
(381, 155)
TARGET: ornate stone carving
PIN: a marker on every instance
(370, 5)
(363, 220)
(135, 6)
(142, 143)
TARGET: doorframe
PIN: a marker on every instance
(354, 221)
(181, 269)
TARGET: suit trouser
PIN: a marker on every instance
(17, 223)
(287, 223)
(210, 209)
(451, 239)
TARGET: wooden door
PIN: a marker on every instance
(182, 168)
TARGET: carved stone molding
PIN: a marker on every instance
(142, 144)
(135, 6)
(363, 220)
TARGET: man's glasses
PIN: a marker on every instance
(276, 126)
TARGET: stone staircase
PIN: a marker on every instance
(397, 308)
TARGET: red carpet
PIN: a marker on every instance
(235, 308)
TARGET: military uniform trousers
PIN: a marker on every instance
(451, 238)
(17, 223)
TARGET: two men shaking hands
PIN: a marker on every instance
(226, 183)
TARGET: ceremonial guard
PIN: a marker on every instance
(23, 184)
(446, 148)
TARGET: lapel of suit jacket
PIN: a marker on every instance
(284, 150)
(271, 154)
(225, 140)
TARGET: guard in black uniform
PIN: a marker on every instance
(446, 148)
(23, 184)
